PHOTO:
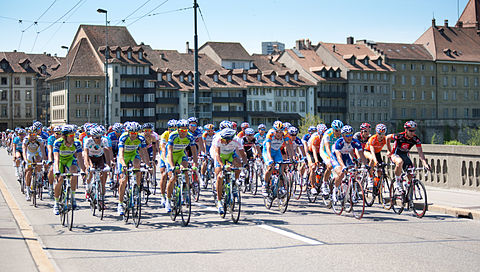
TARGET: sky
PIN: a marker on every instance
(168, 24)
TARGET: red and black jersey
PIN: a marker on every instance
(403, 145)
(247, 145)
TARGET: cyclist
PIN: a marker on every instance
(196, 132)
(32, 152)
(17, 147)
(310, 131)
(243, 126)
(172, 127)
(314, 157)
(151, 137)
(224, 152)
(114, 136)
(207, 141)
(363, 135)
(57, 133)
(342, 155)
(260, 136)
(272, 151)
(95, 154)
(67, 155)
(403, 142)
(175, 155)
(373, 148)
(328, 140)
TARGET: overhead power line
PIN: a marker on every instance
(146, 14)
(141, 6)
(204, 24)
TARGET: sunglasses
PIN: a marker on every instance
(133, 133)
(412, 130)
(348, 135)
(97, 137)
(262, 129)
(71, 135)
(172, 129)
(192, 125)
(183, 130)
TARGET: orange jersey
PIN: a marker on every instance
(377, 145)
(314, 141)
(81, 136)
(241, 134)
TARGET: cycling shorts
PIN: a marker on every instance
(225, 158)
(276, 156)
(324, 156)
(178, 158)
(67, 163)
(406, 160)
(127, 157)
(347, 161)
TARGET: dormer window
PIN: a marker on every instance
(287, 78)
(119, 54)
(169, 77)
(244, 76)
(140, 55)
(337, 74)
(129, 54)
(259, 77)
(365, 61)
(4, 65)
(379, 62)
(189, 78)
(330, 74)
(181, 78)
(272, 77)
(159, 76)
(324, 74)
(229, 78)
(215, 77)
(295, 76)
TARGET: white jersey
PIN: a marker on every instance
(95, 150)
(33, 147)
(224, 148)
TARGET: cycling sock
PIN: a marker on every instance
(56, 200)
(398, 178)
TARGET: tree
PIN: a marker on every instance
(474, 135)
(308, 121)
(434, 139)
(452, 142)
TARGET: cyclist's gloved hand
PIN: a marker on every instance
(106, 169)
(344, 169)
(57, 173)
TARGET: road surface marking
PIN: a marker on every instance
(291, 235)
(38, 254)
(206, 207)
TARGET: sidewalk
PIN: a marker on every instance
(460, 203)
(14, 252)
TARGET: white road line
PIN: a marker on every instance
(291, 235)
(206, 207)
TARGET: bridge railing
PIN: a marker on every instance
(452, 166)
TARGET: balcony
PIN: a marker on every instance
(141, 76)
(229, 114)
(332, 95)
(139, 90)
(271, 114)
(167, 116)
(205, 115)
(201, 100)
(137, 105)
(167, 100)
(241, 100)
(331, 109)
(140, 119)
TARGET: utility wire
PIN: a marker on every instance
(204, 24)
(66, 13)
(35, 22)
(146, 14)
(124, 19)
(36, 37)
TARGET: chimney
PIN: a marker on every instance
(55, 55)
(333, 47)
(162, 56)
(44, 53)
(350, 40)
(298, 44)
(446, 23)
(302, 41)
(15, 50)
(309, 44)
(187, 47)
(459, 24)
(433, 22)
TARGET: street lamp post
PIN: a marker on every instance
(107, 53)
(67, 106)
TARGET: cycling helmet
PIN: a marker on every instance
(96, 131)
(365, 126)
(30, 129)
(172, 123)
(118, 127)
(410, 124)
(261, 126)
(21, 131)
(227, 134)
(192, 120)
(234, 125)
(337, 124)
(57, 129)
(277, 125)
(104, 130)
(321, 128)
(67, 129)
(225, 124)
(209, 127)
(249, 131)
(347, 129)
(75, 127)
(46, 129)
(132, 127)
(244, 125)
(381, 128)
(148, 126)
(286, 125)
(182, 123)
(293, 131)
(311, 129)
(37, 125)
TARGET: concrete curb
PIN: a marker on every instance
(457, 212)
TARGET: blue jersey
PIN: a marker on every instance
(306, 137)
(51, 139)
(259, 138)
(113, 139)
(346, 148)
(18, 142)
(44, 136)
(196, 134)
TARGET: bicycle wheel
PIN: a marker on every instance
(311, 197)
(137, 205)
(93, 198)
(357, 200)
(283, 197)
(195, 188)
(145, 192)
(418, 198)
(225, 197)
(126, 204)
(338, 203)
(62, 207)
(186, 205)
(33, 190)
(398, 200)
(370, 194)
(100, 201)
(245, 186)
(385, 193)
(235, 204)
(70, 209)
(256, 179)
(175, 198)
(22, 182)
(40, 183)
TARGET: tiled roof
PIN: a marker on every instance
(51, 63)
(344, 52)
(311, 63)
(403, 51)
(80, 61)
(471, 14)
(452, 43)
(228, 50)
(117, 35)
(14, 60)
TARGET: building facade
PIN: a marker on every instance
(269, 48)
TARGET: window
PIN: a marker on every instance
(286, 106)
(422, 80)
(475, 69)
(445, 95)
(404, 66)
(229, 78)
(294, 106)
(16, 110)
(140, 55)
(264, 105)
(302, 93)
(87, 84)
(256, 105)
(3, 94)
(412, 67)
(445, 81)
(78, 113)
(302, 106)
(295, 76)
(394, 79)
(190, 78)
(422, 67)
(87, 113)
(28, 95)
(465, 81)
(97, 84)
(445, 113)
(413, 80)
(116, 111)
(16, 96)
(465, 69)
(78, 84)
(475, 113)
(4, 81)
(433, 95)
(404, 112)
(413, 94)
(87, 98)
(465, 112)
(259, 77)
(424, 113)
(414, 113)
(475, 96)
(215, 77)
(181, 78)
(129, 54)
(423, 95)
(432, 81)
(169, 76)
(454, 95)
(116, 97)
(278, 106)
(3, 111)
(444, 68)
(475, 82)
(272, 77)
(454, 81)
(454, 113)
(28, 81)
(454, 69)
(16, 80)
(403, 80)
(404, 95)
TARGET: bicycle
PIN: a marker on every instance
(65, 204)
(132, 199)
(278, 189)
(414, 198)
(181, 201)
(195, 183)
(209, 171)
(247, 178)
(148, 177)
(97, 195)
(350, 196)
(36, 183)
(381, 188)
(21, 176)
(299, 185)
(318, 177)
(231, 194)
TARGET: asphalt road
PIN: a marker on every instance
(307, 236)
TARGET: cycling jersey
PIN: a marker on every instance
(403, 145)
(225, 148)
(179, 144)
(130, 146)
(196, 134)
(113, 137)
(66, 153)
(51, 140)
(363, 141)
(248, 144)
(377, 145)
(260, 138)
(275, 143)
(94, 149)
(207, 139)
(327, 139)
(81, 136)
(241, 134)
(306, 137)
(297, 142)
(345, 149)
(151, 140)
(18, 142)
(33, 147)
(314, 141)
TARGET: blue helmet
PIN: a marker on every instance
(225, 124)
(292, 130)
(182, 123)
(337, 124)
(192, 120)
(347, 129)
(249, 131)
(67, 129)
(172, 123)
(132, 127)
(321, 128)
(311, 129)
(118, 127)
(261, 126)
(148, 126)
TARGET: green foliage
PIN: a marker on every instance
(308, 121)
(452, 142)
(434, 139)
(474, 135)
(446, 134)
